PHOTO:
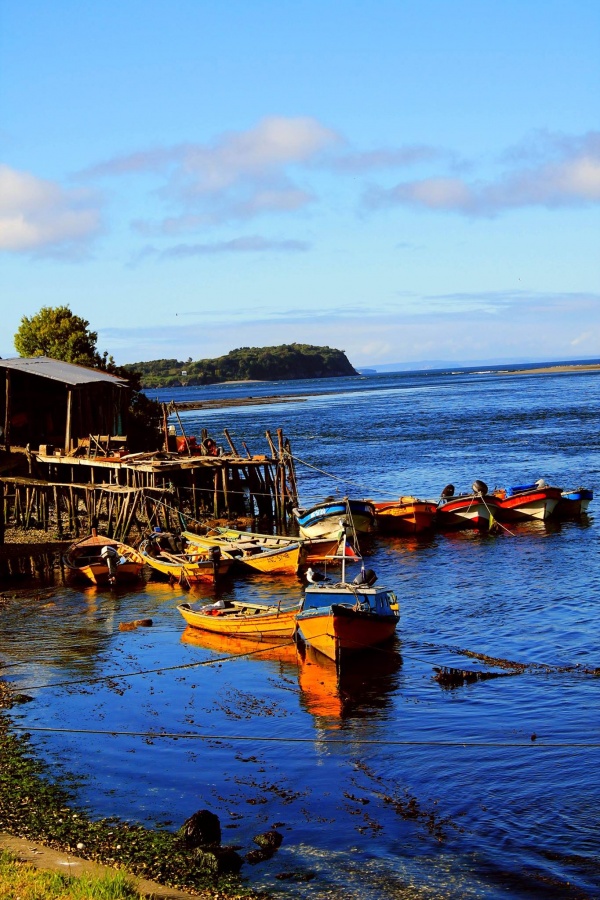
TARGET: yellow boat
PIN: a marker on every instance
(101, 560)
(190, 566)
(285, 559)
(315, 550)
(257, 621)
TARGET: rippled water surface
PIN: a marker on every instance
(383, 783)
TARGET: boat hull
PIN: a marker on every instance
(471, 511)
(278, 560)
(83, 561)
(324, 519)
(532, 504)
(343, 619)
(573, 503)
(317, 550)
(253, 622)
(341, 630)
(186, 568)
(408, 515)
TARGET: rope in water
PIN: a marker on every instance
(153, 735)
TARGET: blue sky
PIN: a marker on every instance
(405, 181)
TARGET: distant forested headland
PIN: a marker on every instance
(286, 362)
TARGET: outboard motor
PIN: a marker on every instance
(448, 492)
(367, 577)
(480, 487)
(215, 555)
(110, 556)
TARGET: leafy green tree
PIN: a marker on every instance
(60, 334)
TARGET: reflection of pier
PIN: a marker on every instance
(331, 694)
(31, 560)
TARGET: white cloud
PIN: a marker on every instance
(239, 175)
(39, 216)
(567, 175)
(369, 338)
(587, 337)
(384, 158)
(247, 244)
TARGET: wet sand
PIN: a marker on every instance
(239, 401)
(554, 370)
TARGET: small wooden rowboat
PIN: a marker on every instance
(316, 550)
(191, 565)
(407, 515)
(283, 560)
(257, 621)
(101, 560)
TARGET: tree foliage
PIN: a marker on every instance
(60, 334)
(285, 362)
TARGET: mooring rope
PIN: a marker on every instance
(533, 741)
(113, 677)
(324, 472)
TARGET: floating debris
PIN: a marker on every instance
(137, 623)
(448, 676)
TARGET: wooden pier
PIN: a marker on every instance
(120, 493)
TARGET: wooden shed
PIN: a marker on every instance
(47, 402)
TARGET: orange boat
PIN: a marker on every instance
(407, 515)
(101, 560)
(347, 617)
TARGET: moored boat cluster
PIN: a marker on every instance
(478, 508)
(334, 617)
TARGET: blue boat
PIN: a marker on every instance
(335, 515)
(573, 503)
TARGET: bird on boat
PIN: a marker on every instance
(314, 577)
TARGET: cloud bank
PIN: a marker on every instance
(570, 178)
(238, 176)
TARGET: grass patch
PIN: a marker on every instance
(23, 881)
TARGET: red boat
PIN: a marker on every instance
(527, 501)
(407, 515)
(476, 510)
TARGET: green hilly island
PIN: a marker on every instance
(283, 363)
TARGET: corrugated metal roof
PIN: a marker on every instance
(57, 370)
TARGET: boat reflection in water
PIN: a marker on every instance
(332, 694)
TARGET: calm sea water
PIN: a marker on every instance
(383, 783)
